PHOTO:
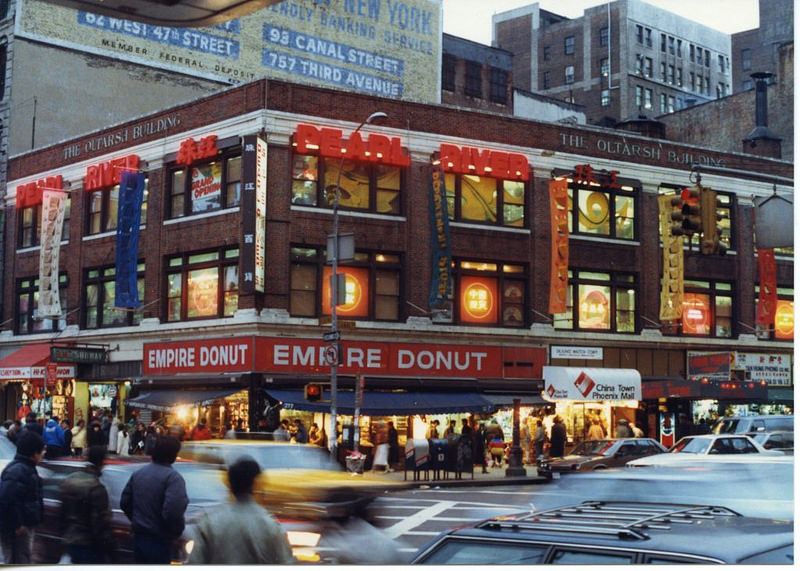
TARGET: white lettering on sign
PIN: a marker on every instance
(440, 360)
(369, 359)
(172, 357)
(223, 355)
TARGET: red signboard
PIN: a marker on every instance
(331, 143)
(307, 356)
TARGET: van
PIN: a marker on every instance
(743, 424)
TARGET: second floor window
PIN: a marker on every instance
(485, 200)
(599, 301)
(206, 187)
(27, 307)
(601, 205)
(99, 300)
(707, 309)
(202, 285)
(102, 209)
(30, 225)
(472, 79)
(490, 293)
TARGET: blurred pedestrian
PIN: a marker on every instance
(155, 501)
(201, 431)
(282, 432)
(243, 532)
(151, 437)
(31, 423)
(300, 432)
(315, 435)
(53, 439)
(137, 439)
(479, 447)
(451, 428)
(86, 514)
(595, 431)
(230, 433)
(637, 432)
(21, 503)
(113, 433)
(433, 430)
(558, 437)
(67, 437)
(394, 446)
(123, 440)
(95, 436)
(14, 430)
(623, 430)
(539, 440)
(79, 438)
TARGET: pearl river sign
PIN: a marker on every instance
(387, 48)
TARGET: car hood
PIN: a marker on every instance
(684, 459)
(575, 459)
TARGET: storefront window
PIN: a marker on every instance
(605, 301)
(372, 285)
(203, 285)
(27, 305)
(206, 187)
(99, 300)
(102, 209)
(30, 228)
(490, 293)
(707, 309)
(364, 186)
(602, 204)
(478, 199)
(782, 329)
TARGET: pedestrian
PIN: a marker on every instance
(539, 440)
(525, 439)
(595, 431)
(623, 430)
(300, 432)
(433, 430)
(21, 503)
(201, 431)
(466, 429)
(381, 442)
(451, 429)
(282, 432)
(68, 437)
(79, 438)
(14, 430)
(105, 423)
(95, 436)
(230, 433)
(86, 514)
(31, 423)
(113, 433)
(151, 437)
(479, 447)
(123, 440)
(315, 435)
(137, 439)
(53, 439)
(155, 501)
(394, 446)
(637, 432)
(243, 532)
(558, 437)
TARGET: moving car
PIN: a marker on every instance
(755, 423)
(781, 440)
(614, 533)
(600, 454)
(299, 480)
(710, 447)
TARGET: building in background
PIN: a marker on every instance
(758, 50)
(619, 60)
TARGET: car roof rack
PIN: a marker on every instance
(626, 520)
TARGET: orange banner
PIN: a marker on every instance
(559, 246)
(768, 288)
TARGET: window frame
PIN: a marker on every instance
(616, 283)
(34, 227)
(454, 187)
(183, 196)
(473, 80)
(713, 289)
(105, 275)
(449, 62)
(768, 333)
(506, 275)
(498, 79)
(569, 45)
(629, 190)
(226, 257)
(29, 288)
(106, 215)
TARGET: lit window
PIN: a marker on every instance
(479, 199)
(599, 301)
(490, 293)
(27, 307)
(99, 300)
(202, 285)
(206, 187)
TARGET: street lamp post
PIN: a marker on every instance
(334, 334)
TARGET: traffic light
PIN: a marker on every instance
(689, 214)
(313, 392)
(712, 233)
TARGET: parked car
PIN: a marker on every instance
(781, 440)
(600, 454)
(300, 480)
(755, 423)
(713, 447)
(616, 532)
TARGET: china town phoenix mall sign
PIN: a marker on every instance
(306, 356)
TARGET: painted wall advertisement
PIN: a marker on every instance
(387, 48)
(774, 368)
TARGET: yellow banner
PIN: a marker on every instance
(672, 278)
(559, 246)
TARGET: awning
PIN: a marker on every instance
(166, 400)
(29, 362)
(377, 403)
(591, 384)
(506, 401)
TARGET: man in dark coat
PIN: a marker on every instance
(32, 424)
(558, 437)
(21, 505)
(155, 501)
(86, 515)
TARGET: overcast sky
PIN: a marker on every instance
(472, 19)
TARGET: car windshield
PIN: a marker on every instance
(691, 445)
(592, 447)
(726, 426)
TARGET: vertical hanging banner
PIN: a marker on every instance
(54, 204)
(768, 288)
(440, 298)
(253, 215)
(559, 246)
(129, 216)
(672, 256)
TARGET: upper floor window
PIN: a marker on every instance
(663, 99)
(4, 8)
(648, 37)
(202, 285)
(473, 84)
(449, 72)
(601, 204)
(671, 44)
(639, 95)
(498, 92)
(102, 209)
(605, 97)
(546, 80)
(639, 34)
(569, 74)
(99, 299)
(664, 43)
(206, 186)
(3, 63)
(490, 293)
(648, 67)
(569, 45)
(782, 329)
(27, 307)
(746, 61)
(546, 53)
(372, 285)
(604, 36)
(707, 58)
(679, 49)
(707, 308)
(485, 200)
(605, 67)
(599, 301)
(30, 224)
(721, 63)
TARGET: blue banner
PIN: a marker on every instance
(129, 215)
(440, 298)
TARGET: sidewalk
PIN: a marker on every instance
(495, 477)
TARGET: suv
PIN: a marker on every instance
(616, 532)
(746, 424)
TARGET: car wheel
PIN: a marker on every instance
(599, 468)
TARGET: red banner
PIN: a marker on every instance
(768, 288)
